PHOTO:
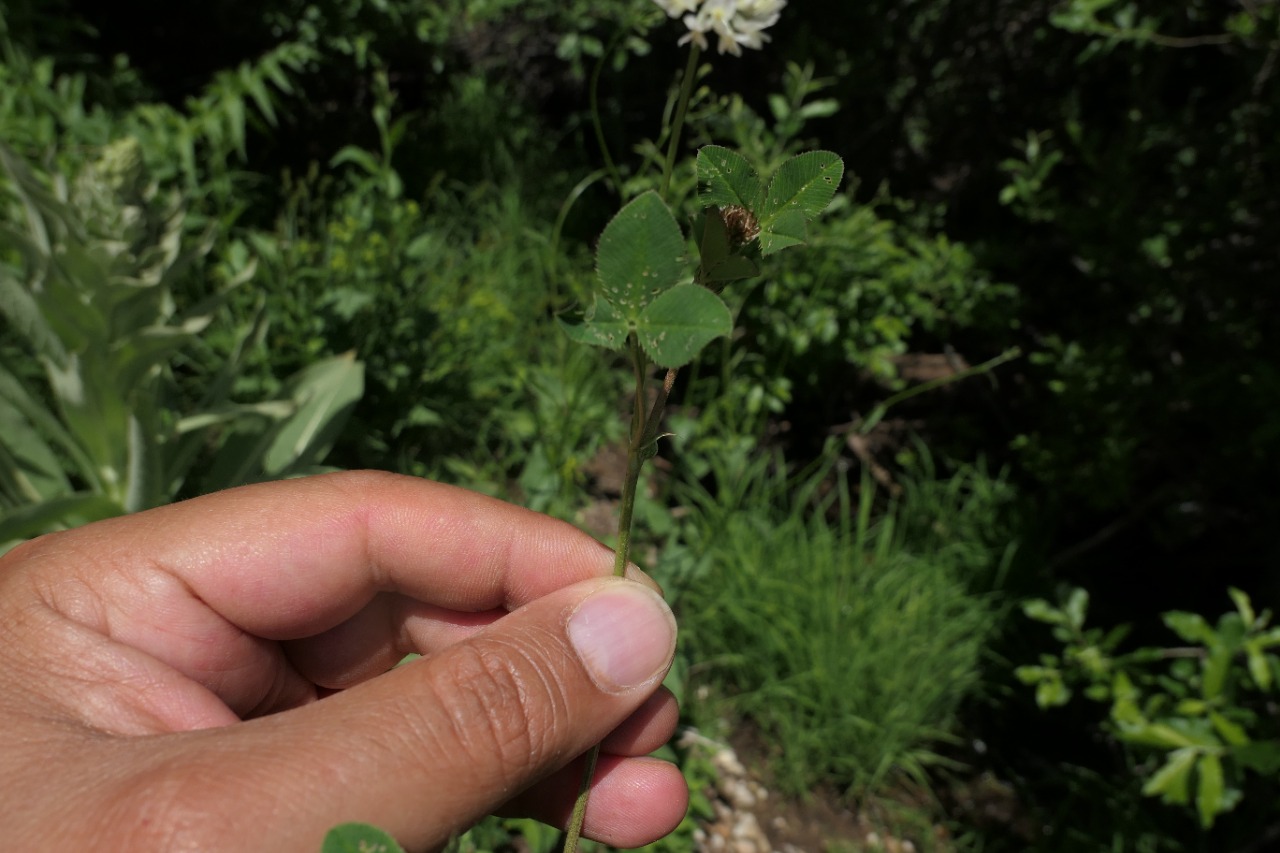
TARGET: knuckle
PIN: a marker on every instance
(499, 704)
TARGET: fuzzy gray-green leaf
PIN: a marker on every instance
(641, 255)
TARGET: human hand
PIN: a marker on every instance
(214, 674)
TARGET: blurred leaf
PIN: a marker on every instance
(359, 838)
(1262, 756)
(1209, 793)
(68, 511)
(325, 393)
(1172, 781)
(1243, 605)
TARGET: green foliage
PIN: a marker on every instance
(1200, 710)
(88, 269)
(359, 838)
(848, 645)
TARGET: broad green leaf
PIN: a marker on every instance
(1209, 793)
(726, 178)
(641, 255)
(325, 392)
(1171, 782)
(602, 327)
(359, 838)
(681, 322)
(806, 183)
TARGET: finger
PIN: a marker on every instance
(647, 729)
(198, 585)
(630, 797)
(432, 746)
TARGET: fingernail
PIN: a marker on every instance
(624, 635)
(635, 573)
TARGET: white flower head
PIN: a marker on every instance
(735, 23)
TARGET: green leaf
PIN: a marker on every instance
(1042, 611)
(359, 838)
(681, 322)
(1189, 626)
(1261, 756)
(784, 231)
(1209, 793)
(640, 256)
(602, 326)
(726, 178)
(68, 511)
(717, 260)
(1077, 607)
(325, 393)
(1259, 667)
(1233, 733)
(1171, 782)
(1243, 605)
(806, 183)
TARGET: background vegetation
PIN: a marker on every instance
(268, 238)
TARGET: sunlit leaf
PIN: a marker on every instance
(359, 838)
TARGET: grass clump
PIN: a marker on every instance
(848, 647)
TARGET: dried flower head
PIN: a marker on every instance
(740, 225)
(736, 23)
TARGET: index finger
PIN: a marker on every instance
(289, 559)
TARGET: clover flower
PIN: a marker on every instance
(736, 23)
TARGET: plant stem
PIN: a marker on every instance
(635, 460)
(643, 434)
(682, 107)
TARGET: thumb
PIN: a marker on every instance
(431, 747)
